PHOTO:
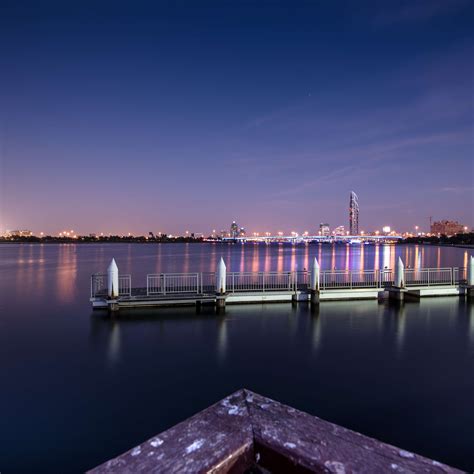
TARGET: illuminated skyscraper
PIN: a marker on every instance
(324, 229)
(234, 230)
(354, 214)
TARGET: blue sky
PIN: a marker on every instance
(172, 116)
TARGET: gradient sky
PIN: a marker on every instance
(170, 116)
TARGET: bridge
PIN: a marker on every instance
(304, 238)
(113, 291)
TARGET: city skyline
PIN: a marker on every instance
(235, 230)
(118, 119)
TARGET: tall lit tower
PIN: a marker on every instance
(234, 230)
(354, 214)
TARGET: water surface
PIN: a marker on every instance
(79, 388)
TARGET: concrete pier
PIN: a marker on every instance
(246, 432)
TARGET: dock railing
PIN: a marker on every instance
(259, 281)
(345, 279)
(99, 285)
(173, 283)
(204, 283)
(125, 285)
(432, 276)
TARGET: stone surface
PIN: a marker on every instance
(246, 430)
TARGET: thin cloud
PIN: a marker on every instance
(418, 10)
(458, 189)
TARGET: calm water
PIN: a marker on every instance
(77, 388)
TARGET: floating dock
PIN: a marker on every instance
(113, 291)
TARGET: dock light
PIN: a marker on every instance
(377, 232)
(362, 232)
(386, 229)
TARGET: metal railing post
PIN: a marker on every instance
(350, 280)
(164, 283)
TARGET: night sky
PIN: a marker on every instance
(171, 116)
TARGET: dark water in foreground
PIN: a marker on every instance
(77, 389)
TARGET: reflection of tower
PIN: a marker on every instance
(354, 214)
(221, 340)
(470, 314)
(316, 328)
(114, 343)
(400, 328)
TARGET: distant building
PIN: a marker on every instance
(234, 230)
(339, 230)
(19, 233)
(242, 232)
(324, 229)
(447, 228)
(354, 214)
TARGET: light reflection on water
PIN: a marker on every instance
(400, 373)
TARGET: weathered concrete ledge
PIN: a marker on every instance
(246, 430)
